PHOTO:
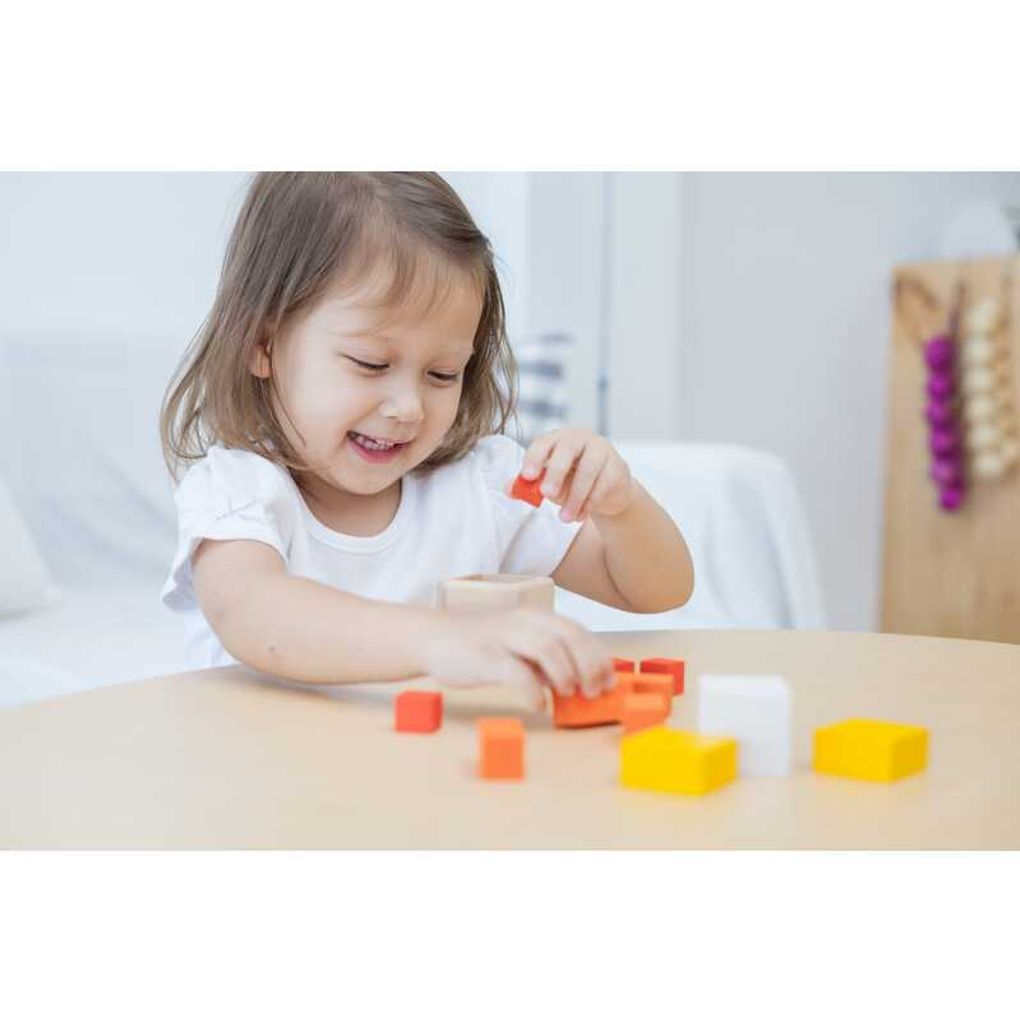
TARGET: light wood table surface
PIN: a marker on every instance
(226, 759)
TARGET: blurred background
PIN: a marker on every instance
(710, 310)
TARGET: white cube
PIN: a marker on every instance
(755, 709)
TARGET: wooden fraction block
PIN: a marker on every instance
(497, 591)
(674, 761)
(640, 711)
(528, 489)
(870, 749)
(418, 711)
(500, 748)
(674, 667)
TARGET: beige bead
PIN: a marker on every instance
(984, 437)
(983, 316)
(976, 379)
(496, 591)
(978, 350)
(979, 408)
(988, 466)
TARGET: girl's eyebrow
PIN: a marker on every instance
(368, 334)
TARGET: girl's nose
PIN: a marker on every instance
(405, 405)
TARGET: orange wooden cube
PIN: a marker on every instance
(528, 489)
(674, 667)
(500, 748)
(624, 665)
(418, 711)
(642, 710)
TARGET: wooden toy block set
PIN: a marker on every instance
(743, 721)
(743, 728)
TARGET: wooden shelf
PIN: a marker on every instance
(950, 574)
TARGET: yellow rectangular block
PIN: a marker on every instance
(675, 761)
(871, 749)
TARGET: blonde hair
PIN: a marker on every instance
(299, 234)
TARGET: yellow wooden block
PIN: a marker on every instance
(676, 762)
(871, 749)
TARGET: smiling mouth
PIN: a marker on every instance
(370, 443)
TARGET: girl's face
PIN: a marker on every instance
(348, 386)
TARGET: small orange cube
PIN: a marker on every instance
(624, 665)
(673, 667)
(500, 748)
(643, 710)
(418, 711)
(528, 489)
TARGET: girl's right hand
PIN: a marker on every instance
(527, 648)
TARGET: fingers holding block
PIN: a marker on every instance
(528, 489)
(418, 711)
(500, 748)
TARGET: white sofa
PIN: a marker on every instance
(82, 464)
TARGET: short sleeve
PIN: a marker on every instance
(229, 494)
(532, 540)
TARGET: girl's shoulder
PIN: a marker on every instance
(226, 474)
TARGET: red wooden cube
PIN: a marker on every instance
(418, 711)
(674, 667)
(528, 489)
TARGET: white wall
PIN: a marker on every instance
(112, 254)
(785, 332)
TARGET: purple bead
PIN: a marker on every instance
(939, 412)
(940, 385)
(951, 497)
(947, 471)
(939, 352)
(944, 440)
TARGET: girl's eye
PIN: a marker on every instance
(443, 377)
(367, 364)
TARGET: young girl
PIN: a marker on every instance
(343, 410)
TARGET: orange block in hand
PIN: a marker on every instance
(500, 748)
(577, 710)
(418, 711)
(528, 489)
(642, 710)
(672, 667)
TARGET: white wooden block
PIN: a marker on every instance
(753, 708)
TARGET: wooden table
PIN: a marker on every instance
(223, 758)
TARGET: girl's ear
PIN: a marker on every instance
(259, 362)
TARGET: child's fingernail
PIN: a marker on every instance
(529, 471)
(565, 515)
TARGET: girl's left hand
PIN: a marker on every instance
(583, 473)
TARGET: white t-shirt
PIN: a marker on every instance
(452, 520)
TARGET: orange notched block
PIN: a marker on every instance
(674, 667)
(418, 711)
(577, 710)
(643, 710)
(500, 748)
(528, 489)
